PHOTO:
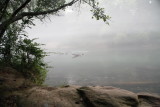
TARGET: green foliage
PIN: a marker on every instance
(31, 60)
(25, 55)
(99, 13)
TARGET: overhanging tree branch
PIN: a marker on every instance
(31, 14)
(14, 17)
(20, 8)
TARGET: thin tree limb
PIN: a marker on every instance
(31, 14)
(20, 8)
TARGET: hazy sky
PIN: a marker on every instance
(134, 25)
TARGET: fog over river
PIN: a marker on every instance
(124, 54)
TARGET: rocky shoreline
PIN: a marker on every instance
(16, 91)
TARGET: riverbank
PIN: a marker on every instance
(16, 91)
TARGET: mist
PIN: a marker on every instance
(89, 52)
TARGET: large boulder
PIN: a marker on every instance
(108, 97)
(149, 99)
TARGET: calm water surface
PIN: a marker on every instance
(133, 70)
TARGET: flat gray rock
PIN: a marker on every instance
(108, 97)
(149, 99)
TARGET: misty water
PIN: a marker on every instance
(125, 54)
(135, 70)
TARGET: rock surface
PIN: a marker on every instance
(14, 94)
(149, 100)
(108, 97)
